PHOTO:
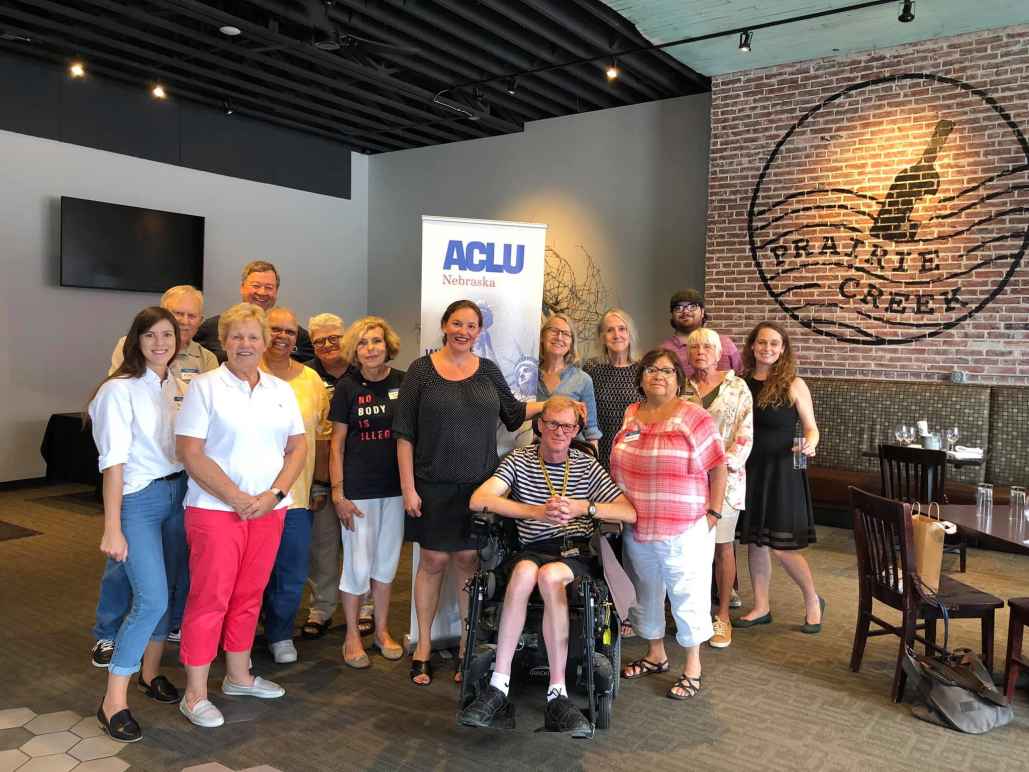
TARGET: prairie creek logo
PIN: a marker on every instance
(892, 211)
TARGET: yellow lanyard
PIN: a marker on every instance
(550, 485)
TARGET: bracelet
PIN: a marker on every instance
(714, 514)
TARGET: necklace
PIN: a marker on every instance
(550, 485)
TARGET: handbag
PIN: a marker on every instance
(928, 533)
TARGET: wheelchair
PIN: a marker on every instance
(594, 637)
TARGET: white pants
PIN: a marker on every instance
(372, 549)
(681, 566)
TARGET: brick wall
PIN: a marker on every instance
(878, 205)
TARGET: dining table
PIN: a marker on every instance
(1000, 527)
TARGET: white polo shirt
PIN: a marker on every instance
(245, 430)
(133, 423)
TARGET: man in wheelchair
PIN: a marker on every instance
(556, 494)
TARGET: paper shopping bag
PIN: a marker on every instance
(928, 535)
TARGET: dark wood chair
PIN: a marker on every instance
(1017, 622)
(917, 474)
(886, 572)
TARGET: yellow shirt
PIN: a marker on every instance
(313, 399)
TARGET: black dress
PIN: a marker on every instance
(778, 512)
(615, 389)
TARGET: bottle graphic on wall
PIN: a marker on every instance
(911, 185)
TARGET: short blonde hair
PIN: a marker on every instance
(705, 335)
(239, 313)
(629, 323)
(573, 355)
(182, 291)
(353, 334)
(324, 320)
(559, 402)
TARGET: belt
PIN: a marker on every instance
(173, 475)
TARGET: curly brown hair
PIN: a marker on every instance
(776, 391)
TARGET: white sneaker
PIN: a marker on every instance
(283, 652)
(266, 690)
(204, 713)
(734, 601)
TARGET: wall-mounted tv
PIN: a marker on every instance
(111, 246)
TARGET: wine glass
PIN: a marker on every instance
(952, 434)
(901, 433)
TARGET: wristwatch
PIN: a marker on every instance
(591, 510)
(279, 495)
(714, 514)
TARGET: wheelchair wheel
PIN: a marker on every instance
(604, 705)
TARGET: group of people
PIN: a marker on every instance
(228, 486)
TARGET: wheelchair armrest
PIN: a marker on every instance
(610, 530)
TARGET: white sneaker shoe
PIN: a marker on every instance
(204, 713)
(283, 652)
(266, 690)
(734, 601)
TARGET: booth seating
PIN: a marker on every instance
(856, 415)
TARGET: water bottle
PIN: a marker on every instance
(799, 459)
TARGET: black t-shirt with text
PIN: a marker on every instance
(370, 456)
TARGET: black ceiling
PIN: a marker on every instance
(400, 73)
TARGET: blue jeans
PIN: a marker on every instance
(286, 584)
(152, 521)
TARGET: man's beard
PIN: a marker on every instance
(682, 329)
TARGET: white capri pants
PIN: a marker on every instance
(682, 566)
(372, 549)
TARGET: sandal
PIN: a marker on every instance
(644, 667)
(313, 630)
(365, 626)
(421, 667)
(689, 686)
(627, 631)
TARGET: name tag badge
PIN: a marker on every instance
(571, 552)
(394, 393)
(631, 435)
(189, 370)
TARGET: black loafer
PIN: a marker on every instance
(489, 705)
(160, 689)
(121, 727)
(562, 716)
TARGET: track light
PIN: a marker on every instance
(159, 92)
(745, 38)
(77, 70)
(907, 13)
(512, 86)
(612, 72)
(227, 106)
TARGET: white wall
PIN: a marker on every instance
(629, 184)
(57, 341)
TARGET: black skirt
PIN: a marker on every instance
(445, 524)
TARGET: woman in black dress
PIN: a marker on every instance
(778, 517)
(614, 375)
(445, 424)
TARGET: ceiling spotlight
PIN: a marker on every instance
(745, 38)
(159, 92)
(907, 13)
(231, 31)
(227, 106)
(77, 70)
(14, 37)
(612, 72)
(512, 86)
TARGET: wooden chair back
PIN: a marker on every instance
(884, 544)
(912, 474)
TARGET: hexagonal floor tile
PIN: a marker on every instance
(109, 764)
(59, 763)
(13, 717)
(53, 722)
(96, 748)
(49, 744)
(88, 727)
(211, 766)
(11, 760)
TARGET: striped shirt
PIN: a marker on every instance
(587, 480)
(663, 466)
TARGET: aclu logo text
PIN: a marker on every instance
(478, 256)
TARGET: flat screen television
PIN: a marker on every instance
(111, 246)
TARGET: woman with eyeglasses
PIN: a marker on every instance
(614, 375)
(559, 374)
(668, 458)
(286, 584)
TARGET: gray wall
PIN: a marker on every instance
(628, 184)
(58, 340)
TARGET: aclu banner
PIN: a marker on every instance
(499, 266)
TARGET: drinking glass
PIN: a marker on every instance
(799, 459)
(1016, 502)
(909, 434)
(952, 435)
(984, 501)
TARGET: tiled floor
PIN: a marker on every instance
(775, 700)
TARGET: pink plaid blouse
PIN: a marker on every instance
(663, 466)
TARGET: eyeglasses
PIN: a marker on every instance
(668, 372)
(283, 331)
(559, 333)
(328, 340)
(557, 426)
(684, 308)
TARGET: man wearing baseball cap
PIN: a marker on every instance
(688, 314)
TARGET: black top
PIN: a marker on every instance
(207, 336)
(615, 389)
(453, 424)
(370, 456)
(327, 378)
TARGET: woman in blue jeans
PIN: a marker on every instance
(133, 419)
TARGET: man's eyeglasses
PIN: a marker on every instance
(328, 340)
(668, 372)
(283, 331)
(684, 308)
(557, 426)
